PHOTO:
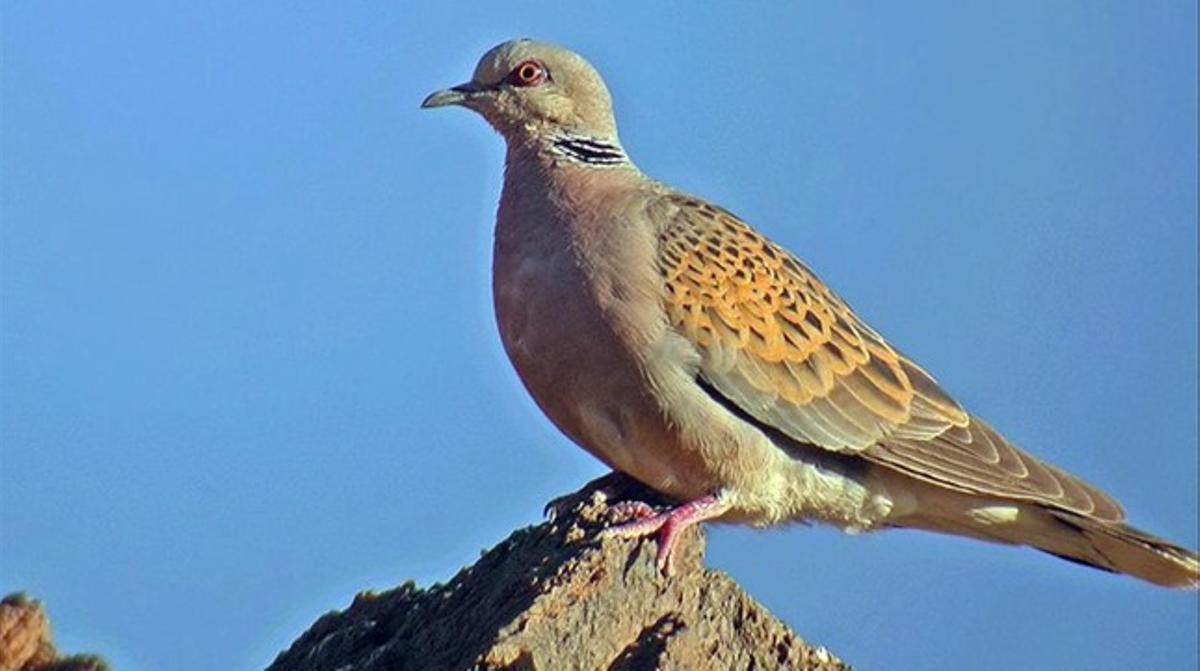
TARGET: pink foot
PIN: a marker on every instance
(669, 524)
(624, 511)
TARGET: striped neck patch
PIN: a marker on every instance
(589, 150)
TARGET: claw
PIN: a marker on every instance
(624, 511)
(610, 486)
(555, 507)
(668, 525)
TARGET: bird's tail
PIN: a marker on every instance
(1108, 546)
(1121, 548)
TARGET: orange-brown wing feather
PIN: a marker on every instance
(787, 351)
(782, 346)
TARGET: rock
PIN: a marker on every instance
(552, 597)
(26, 643)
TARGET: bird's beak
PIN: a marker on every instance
(457, 95)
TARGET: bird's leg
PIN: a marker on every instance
(669, 524)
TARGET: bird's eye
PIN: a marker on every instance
(529, 73)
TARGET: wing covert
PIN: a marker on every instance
(782, 346)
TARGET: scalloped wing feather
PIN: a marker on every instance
(978, 460)
(781, 346)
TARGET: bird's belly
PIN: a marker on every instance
(584, 378)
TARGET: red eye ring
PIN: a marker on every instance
(528, 73)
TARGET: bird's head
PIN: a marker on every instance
(525, 88)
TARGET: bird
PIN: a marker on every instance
(681, 347)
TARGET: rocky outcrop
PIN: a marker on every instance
(26, 643)
(554, 597)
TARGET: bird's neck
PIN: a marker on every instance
(563, 173)
(589, 150)
(563, 148)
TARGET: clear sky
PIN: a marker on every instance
(250, 366)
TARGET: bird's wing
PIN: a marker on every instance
(784, 349)
(782, 346)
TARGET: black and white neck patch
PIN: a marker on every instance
(589, 150)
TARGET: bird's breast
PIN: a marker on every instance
(575, 356)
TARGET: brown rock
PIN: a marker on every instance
(26, 643)
(554, 597)
(24, 634)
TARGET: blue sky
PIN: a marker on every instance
(249, 365)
